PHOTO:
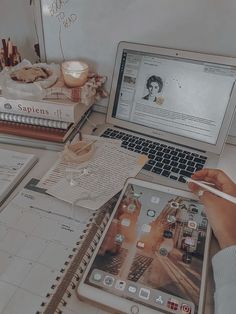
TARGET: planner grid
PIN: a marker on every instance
(37, 236)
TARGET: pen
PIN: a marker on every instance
(213, 190)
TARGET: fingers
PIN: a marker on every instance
(209, 175)
(208, 199)
(193, 187)
(199, 192)
(216, 176)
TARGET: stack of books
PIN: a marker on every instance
(44, 124)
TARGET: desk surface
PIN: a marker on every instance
(47, 158)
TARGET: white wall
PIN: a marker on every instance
(17, 22)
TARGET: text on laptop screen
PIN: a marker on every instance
(179, 96)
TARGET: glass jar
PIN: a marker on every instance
(75, 73)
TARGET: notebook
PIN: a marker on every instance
(48, 133)
(36, 131)
(44, 248)
(174, 106)
(4, 116)
(13, 167)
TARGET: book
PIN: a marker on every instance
(17, 139)
(13, 167)
(61, 110)
(46, 248)
(36, 131)
(31, 142)
(33, 120)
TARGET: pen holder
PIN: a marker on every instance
(78, 152)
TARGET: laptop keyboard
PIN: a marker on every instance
(165, 160)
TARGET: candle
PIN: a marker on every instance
(75, 73)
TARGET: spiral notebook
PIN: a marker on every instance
(4, 116)
(63, 291)
(44, 249)
(42, 143)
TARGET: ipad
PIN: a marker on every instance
(152, 257)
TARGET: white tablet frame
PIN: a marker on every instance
(118, 304)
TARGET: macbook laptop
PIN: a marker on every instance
(174, 106)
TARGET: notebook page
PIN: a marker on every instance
(37, 234)
(13, 166)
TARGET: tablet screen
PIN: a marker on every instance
(153, 251)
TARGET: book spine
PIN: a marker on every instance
(42, 109)
(33, 131)
(66, 283)
(4, 116)
(49, 145)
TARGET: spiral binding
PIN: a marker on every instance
(70, 274)
(4, 116)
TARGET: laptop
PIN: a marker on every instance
(174, 106)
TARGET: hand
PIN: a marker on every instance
(220, 212)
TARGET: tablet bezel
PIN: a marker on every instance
(118, 304)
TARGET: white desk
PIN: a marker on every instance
(227, 161)
(47, 158)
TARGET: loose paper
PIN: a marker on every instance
(104, 176)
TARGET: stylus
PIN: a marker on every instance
(209, 188)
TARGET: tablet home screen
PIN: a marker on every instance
(153, 251)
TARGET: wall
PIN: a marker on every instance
(91, 29)
(201, 25)
(17, 22)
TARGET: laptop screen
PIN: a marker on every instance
(175, 95)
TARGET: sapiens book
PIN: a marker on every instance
(61, 110)
(46, 247)
(13, 167)
(15, 138)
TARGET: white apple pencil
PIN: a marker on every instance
(209, 188)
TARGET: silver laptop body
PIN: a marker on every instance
(175, 98)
